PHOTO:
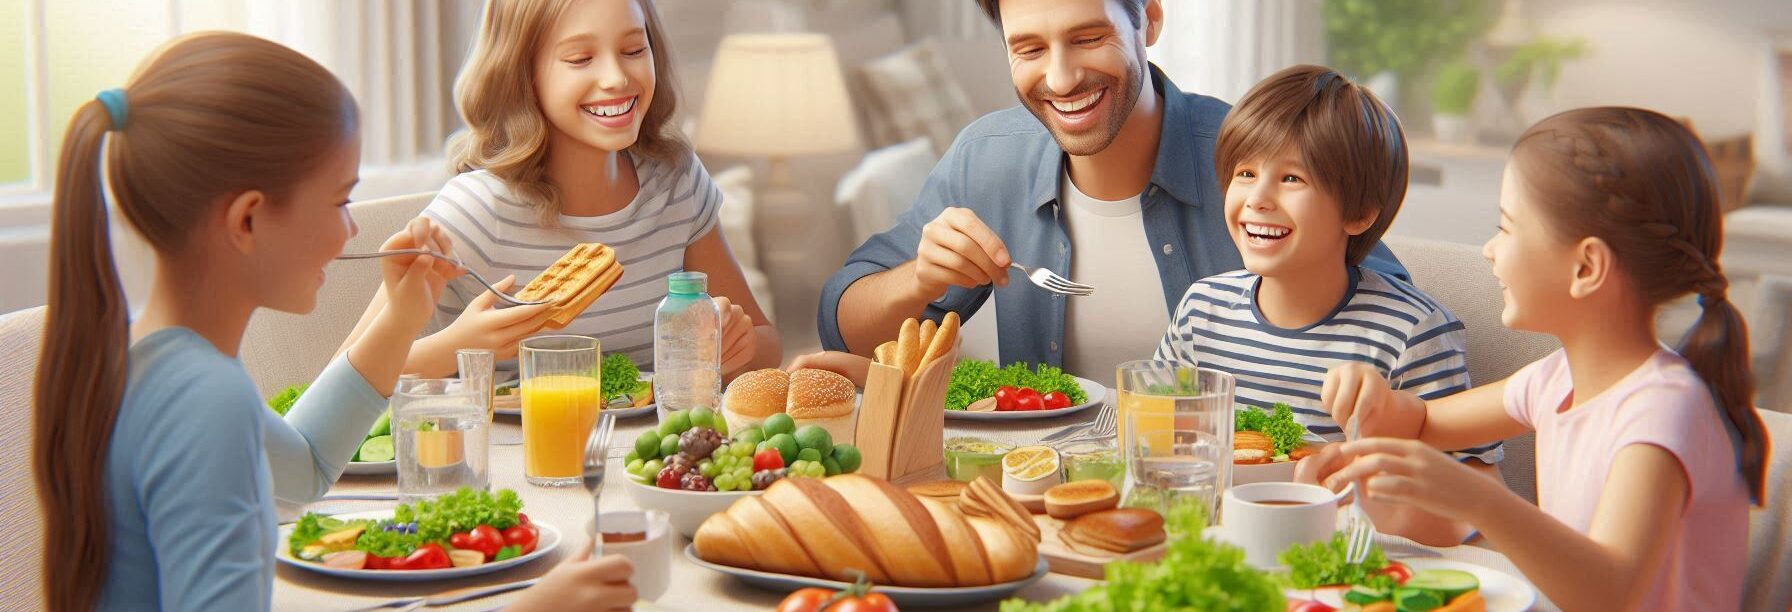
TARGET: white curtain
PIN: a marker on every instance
(1221, 48)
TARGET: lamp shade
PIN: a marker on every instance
(776, 95)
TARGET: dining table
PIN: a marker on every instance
(692, 587)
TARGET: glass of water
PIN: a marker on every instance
(1176, 432)
(441, 427)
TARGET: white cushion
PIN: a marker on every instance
(21, 333)
(884, 185)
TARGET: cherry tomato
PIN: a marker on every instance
(1028, 399)
(1005, 399)
(768, 459)
(484, 538)
(426, 557)
(1398, 571)
(522, 519)
(869, 602)
(1307, 606)
(376, 562)
(1056, 400)
(806, 600)
(523, 537)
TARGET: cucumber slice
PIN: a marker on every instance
(1447, 582)
(1363, 595)
(383, 426)
(376, 449)
(1409, 599)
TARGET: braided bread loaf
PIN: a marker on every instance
(824, 528)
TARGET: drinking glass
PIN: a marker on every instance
(440, 426)
(1176, 433)
(561, 392)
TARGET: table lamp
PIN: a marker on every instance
(777, 96)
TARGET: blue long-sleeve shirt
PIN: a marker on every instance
(195, 463)
(1006, 168)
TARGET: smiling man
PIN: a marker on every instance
(1104, 173)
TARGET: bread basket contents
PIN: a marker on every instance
(809, 396)
(901, 421)
(843, 526)
(573, 282)
(689, 451)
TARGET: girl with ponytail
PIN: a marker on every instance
(1647, 458)
(156, 461)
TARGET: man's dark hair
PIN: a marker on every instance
(1135, 11)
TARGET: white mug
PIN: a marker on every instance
(652, 557)
(1264, 530)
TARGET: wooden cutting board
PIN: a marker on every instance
(1082, 561)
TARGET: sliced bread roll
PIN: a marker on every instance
(969, 563)
(1010, 553)
(906, 539)
(829, 529)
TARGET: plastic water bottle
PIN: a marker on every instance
(687, 345)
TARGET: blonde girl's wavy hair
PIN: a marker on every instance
(507, 134)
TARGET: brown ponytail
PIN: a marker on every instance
(1642, 183)
(209, 115)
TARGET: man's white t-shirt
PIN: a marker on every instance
(1126, 316)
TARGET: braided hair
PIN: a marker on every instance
(1642, 183)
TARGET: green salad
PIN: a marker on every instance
(1278, 424)
(458, 529)
(976, 379)
(621, 379)
(1323, 563)
(1194, 574)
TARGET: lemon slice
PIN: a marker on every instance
(1030, 462)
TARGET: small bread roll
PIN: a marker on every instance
(819, 394)
(759, 393)
(908, 348)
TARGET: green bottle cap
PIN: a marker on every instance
(687, 283)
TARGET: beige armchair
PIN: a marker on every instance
(281, 349)
(21, 333)
(1770, 528)
(1457, 276)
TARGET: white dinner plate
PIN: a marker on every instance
(549, 538)
(1096, 392)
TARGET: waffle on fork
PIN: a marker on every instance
(574, 282)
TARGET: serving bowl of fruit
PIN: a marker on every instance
(690, 467)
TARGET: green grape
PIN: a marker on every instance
(817, 470)
(652, 468)
(708, 469)
(634, 465)
(724, 482)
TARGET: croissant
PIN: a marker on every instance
(827, 528)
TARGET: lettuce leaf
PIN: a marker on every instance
(1322, 563)
(1279, 425)
(975, 379)
(620, 377)
(282, 402)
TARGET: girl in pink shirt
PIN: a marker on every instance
(1647, 459)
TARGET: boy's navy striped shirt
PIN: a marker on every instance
(1383, 321)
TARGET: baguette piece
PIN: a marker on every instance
(943, 340)
(908, 348)
(824, 528)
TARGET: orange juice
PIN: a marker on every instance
(558, 413)
(1151, 414)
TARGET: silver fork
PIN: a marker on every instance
(1103, 427)
(1360, 532)
(1050, 281)
(457, 263)
(448, 597)
(595, 448)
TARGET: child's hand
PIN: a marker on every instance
(414, 282)
(482, 325)
(739, 340)
(1402, 472)
(583, 583)
(853, 367)
(1358, 389)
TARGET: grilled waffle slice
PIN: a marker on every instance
(574, 282)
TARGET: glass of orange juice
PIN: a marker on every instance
(1176, 434)
(561, 397)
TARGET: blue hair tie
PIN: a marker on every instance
(114, 100)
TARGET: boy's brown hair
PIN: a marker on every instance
(1350, 142)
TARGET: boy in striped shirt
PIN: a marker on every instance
(1313, 168)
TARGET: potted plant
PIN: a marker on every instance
(1453, 102)
(1530, 73)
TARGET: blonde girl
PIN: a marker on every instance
(570, 139)
(156, 462)
(1647, 458)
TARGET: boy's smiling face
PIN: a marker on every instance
(594, 74)
(1282, 223)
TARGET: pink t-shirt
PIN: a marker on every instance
(1665, 404)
